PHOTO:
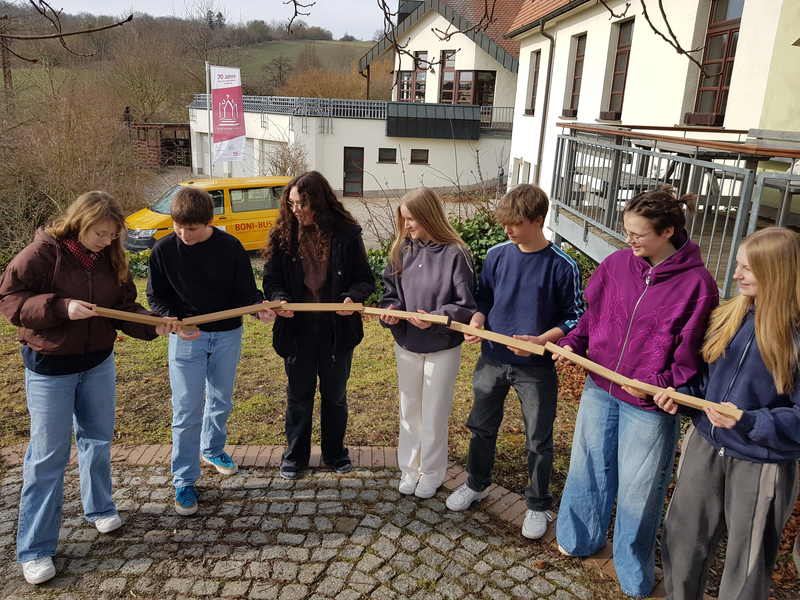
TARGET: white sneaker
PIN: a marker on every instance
(535, 523)
(425, 491)
(463, 497)
(39, 570)
(407, 487)
(108, 524)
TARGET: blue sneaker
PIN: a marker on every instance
(185, 501)
(223, 463)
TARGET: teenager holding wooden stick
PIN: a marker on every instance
(741, 477)
(315, 254)
(646, 314)
(430, 270)
(48, 292)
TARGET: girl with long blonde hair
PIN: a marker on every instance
(429, 271)
(741, 477)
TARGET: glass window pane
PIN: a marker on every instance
(728, 72)
(619, 81)
(405, 75)
(578, 69)
(353, 187)
(419, 156)
(581, 44)
(625, 33)
(616, 102)
(422, 76)
(716, 47)
(622, 62)
(707, 102)
(576, 88)
(449, 76)
(725, 10)
(724, 102)
(734, 43)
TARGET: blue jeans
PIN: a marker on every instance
(206, 366)
(537, 389)
(86, 400)
(625, 453)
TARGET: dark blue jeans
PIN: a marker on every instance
(537, 389)
(315, 359)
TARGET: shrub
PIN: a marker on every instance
(480, 232)
(377, 261)
(138, 262)
(585, 264)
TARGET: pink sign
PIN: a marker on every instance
(227, 114)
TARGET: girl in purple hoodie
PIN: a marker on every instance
(647, 309)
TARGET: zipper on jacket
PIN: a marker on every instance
(630, 324)
(721, 451)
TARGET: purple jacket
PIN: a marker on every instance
(646, 322)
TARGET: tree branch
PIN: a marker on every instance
(613, 14)
(297, 12)
(63, 35)
(672, 40)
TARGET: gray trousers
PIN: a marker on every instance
(714, 494)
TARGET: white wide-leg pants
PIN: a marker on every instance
(426, 383)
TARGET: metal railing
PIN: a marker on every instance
(594, 178)
(308, 107)
(497, 118)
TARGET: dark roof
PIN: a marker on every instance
(533, 11)
(463, 14)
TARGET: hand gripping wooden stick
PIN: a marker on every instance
(123, 315)
(404, 314)
(233, 312)
(498, 337)
(684, 399)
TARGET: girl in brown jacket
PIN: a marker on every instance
(48, 291)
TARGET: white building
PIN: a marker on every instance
(587, 74)
(447, 126)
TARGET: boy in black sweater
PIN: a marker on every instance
(196, 270)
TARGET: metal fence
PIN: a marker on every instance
(594, 178)
(497, 118)
(308, 107)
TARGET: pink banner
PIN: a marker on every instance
(227, 114)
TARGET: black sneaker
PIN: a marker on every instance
(343, 465)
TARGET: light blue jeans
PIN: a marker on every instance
(625, 453)
(204, 367)
(55, 403)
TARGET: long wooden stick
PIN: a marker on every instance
(498, 337)
(684, 399)
(123, 315)
(233, 312)
(404, 314)
(320, 306)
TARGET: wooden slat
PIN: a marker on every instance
(233, 312)
(684, 399)
(122, 315)
(498, 337)
(404, 314)
(321, 306)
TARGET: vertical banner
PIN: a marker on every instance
(228, 114)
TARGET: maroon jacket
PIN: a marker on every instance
(37, 286)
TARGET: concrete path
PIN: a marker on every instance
(258, 536)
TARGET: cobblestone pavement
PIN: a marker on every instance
(258, 536)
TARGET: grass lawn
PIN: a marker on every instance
(259, 55)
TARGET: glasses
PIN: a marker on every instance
(635, 237)
(295, 205)
(107, 236)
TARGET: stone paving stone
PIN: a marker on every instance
(323, 537)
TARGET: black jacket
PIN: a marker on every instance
(349, 275)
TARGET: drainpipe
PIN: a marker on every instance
(538, 171)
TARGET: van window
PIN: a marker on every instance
(162, 205)
(250, 199)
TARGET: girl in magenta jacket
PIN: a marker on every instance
(647, 309)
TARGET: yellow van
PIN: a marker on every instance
(245, 207)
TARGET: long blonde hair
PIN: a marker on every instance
(424, 204)
(774, 257)
(88, 210)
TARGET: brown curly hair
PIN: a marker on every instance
(316, 193)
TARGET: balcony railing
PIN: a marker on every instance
(497, 118)
(308, 107)
(594, 176)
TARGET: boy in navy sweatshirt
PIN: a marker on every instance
(531, 290)
(197, 270)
